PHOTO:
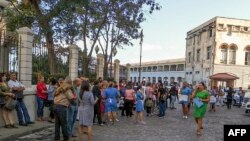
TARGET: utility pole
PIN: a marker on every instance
(141, 41)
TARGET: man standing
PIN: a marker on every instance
(97, 110)
(73, 107)
(174, 95)
(241, 94)
(18, 88)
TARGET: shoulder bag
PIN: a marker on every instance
(10, 104)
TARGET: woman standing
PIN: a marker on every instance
(149, 101)
(111, 95)
(139, 106)
(129, 100)
(184, 99)
(162, 97)
(202, 97)
(51, 90)
(213, 100)
(5, 94)
(41, 97)
(102, 86)
(86, 110)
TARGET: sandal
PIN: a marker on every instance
(198, 132)
(7, 126)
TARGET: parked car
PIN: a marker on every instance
(246, 102)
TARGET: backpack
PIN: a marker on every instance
(163, 96)
(173, 91)
(149, 103)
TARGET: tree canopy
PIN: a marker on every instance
(107, 23)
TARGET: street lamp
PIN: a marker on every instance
(141, 41)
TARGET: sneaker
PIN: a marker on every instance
(186, 117)
(183, 116)
(142, 122)
(116, 119)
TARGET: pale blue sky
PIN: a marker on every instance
(165, 30)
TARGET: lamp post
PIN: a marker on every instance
(141, 41)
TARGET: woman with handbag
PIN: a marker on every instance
(5, 96)
(201, 99)
(184, 99)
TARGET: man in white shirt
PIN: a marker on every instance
(18, 88)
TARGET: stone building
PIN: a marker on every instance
(219, 46)
(166, 71)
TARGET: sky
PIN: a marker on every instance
(165, 30)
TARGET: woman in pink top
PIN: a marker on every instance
(129, 100)
(149, 101)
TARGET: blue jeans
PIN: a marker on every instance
(72, 113)
(61, 120)
(22, 112)
(241, 100)
(162, 106)
(40, 104)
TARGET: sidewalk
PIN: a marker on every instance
(10, 134)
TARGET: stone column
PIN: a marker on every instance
(99, 66)
(73, 61)
(117, 70)
(25, 55)
(128, 71)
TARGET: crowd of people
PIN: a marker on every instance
(70, 100)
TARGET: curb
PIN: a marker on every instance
(15, 136)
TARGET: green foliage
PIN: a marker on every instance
(114, 22)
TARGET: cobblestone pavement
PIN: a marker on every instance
(171, 128)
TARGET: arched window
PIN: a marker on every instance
(172, 79)
(134, 79)
(247, 55)
(232, 54)
(159, 79)
(179, 79)
(165, 80)
(224, 49)
(154, 79)
(149, 69)
(149, 79)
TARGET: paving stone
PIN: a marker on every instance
(170, 128)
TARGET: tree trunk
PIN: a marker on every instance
(105, 70)
(85, 64)
(51, 54)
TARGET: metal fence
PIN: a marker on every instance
(10, 45)
(40, 62)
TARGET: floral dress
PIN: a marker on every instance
(3, 98)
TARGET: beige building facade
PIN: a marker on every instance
(166, 71)
(220, 45)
